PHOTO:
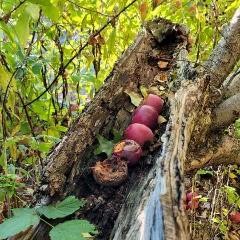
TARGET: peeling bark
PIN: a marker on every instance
(190, 120)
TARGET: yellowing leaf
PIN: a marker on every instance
(135, 97)
(143, 8)
(4, 78)
(22, 28)
(143, 90)
(15, 130)
(232, 175)
(33, 10)
(52, 12)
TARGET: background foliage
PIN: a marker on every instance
(54, 56)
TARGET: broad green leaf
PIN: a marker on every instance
(33, 10)
(6, 30)
(105, 146)
(22, 28)
(143, 90)
(237, 128)
(237, 123)
(111, 40)
(23, 218)
(52, 12)
(62, 209)
(41, 2)
(36, 68)
(4, 78)
(61, 128)
(72, 230)
(117, 136)
(44, 147)
(204, 172)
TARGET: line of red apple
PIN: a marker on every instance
(114, 170)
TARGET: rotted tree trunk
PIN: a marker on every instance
(149, 204)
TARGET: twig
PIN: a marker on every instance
(4, 108)
(88, 9)
(28, 52)
(60, 71)
(31, 125)
(6, 17)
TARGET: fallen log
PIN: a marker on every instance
(149, 204)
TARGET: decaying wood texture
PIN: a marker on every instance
(155, 210)
(148, 62)
(151, 203)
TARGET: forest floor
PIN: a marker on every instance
(218, 189)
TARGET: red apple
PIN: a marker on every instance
(191, 196)
(234, 217)
(129, 150)
(146, 115)
(154, 101)
(139, 133)
(192, 200)
(192, 204)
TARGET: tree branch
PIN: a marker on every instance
(226, 53)
(227, 151)
(233, 85)
(79, 51)
(88, 9)
(227, 111)
(7, 16)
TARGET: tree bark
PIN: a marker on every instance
(149, 205)
(157, 212)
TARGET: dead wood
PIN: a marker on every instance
(227, 111)
(225, 151)
(151, 201)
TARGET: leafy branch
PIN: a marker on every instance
(88, 9)
(62, 68)
(7, 16)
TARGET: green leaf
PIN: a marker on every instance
(61, 128)
(105, 146)
(52, 12)
(111, 40)
(36, 68)
(237, 123)
(117, 136)
(41, 2)
(72, 230)
(7, 30)
(44, 146)
(62, 209)
(33, 10)
(23, 218)
(48, 8)
(143, 90)
(204, 172)
(22, 28)
(237, 128)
